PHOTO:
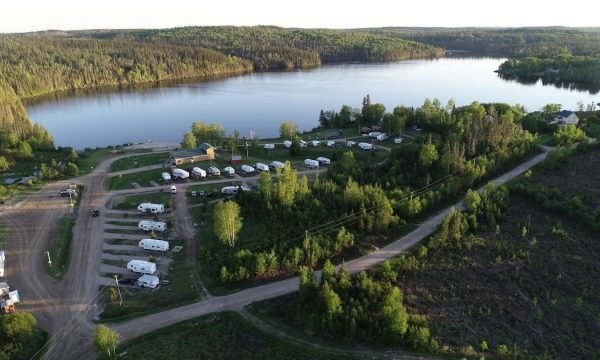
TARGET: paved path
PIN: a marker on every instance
(136, 327)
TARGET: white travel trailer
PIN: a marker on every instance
(277, 164)
(365, 146)
(382, 137)
(375, 134)
(214, 171)
(287, 144)
(398, 141)
(149, 281)
(229, 171)
(166, 177)
(303, 143)
(200, 173)
(180, 174)
(247, 169)
(350, 143)
(151, 208)
(154, 244)
(141, 266)
(261, 167)
(230, 190)
(316, 143)
(269, 146)
(312, 164)
(2, 258)
(148, 225)
(330, 143)
(323, 160)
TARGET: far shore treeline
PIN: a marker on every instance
(44, 62)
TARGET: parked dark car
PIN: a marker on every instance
(96, 213)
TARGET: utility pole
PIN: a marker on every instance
(119, 290)
(49, 261)
(246, 149)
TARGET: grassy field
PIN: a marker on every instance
(89, 159)
(143, 178)
(59, 251)
(137, 302)
(131, 202)
(221, 336)
(142, 160)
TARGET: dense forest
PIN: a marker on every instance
(463, 146)
(558, 69)
(514, 42)
(270, 47)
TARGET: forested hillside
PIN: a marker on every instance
(31, 66)
(270, 47)
(567, 68)
(504, 42)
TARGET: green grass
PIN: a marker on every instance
(131, 202)
(142, 160)
(89, 160)
(143, 178)
(59, 251)
(225, 335)
(138, 302)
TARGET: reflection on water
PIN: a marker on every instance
(260, 101)
(561, 84)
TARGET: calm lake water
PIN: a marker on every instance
(259, 102)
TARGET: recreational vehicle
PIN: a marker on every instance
(365, 146)
(323, 160)
(149, 281)
(312, 164)
(229, 171)
(261, 167)
(247, 169)
(269, 146)
(141, 266)
(214, 171)
(180, 174)
(316, 143)
(230, 190)
(277, 165)
(382, 137)
(287, 144)
(166, 177)
(398, 141)
(350, 143)
(154, 244)
(151, 208)
(330, 143)
(2, 258)
(199, 173)
(148, 225)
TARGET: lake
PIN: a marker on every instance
(261, 101)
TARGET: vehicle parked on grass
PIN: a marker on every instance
(214, 171)
(149, 281)
(166, 177)
(151, 208)
(180, 174)
(269, 146)
(323, 160)
(148, 225)
(154, 244)
(261, 167)
(365, 146)
(247, 169)
(199, 173)
(229, 171)
(311, 164)
(398, 141)
(141, 266)
(277, 165)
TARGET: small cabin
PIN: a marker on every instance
(204, 152)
